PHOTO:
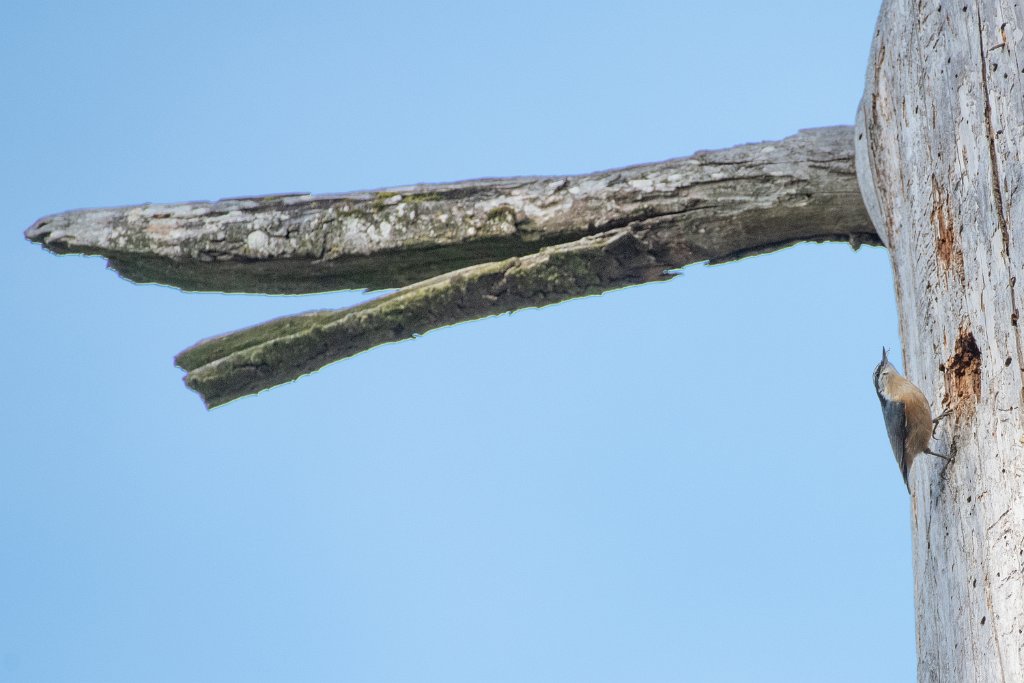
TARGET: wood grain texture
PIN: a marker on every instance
(466, 250)
(757, 198)
(722, 203)
(245, 362)
(939, 138)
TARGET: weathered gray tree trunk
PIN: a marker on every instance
(939, 144)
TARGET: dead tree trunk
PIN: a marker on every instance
(939, 150)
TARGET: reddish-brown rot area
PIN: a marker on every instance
(963, 374)
(946, 247)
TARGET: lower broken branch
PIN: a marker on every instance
(245, 362)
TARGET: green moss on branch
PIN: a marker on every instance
(248, 361)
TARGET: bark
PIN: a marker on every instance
(722, 203)
(939, 157)
(534, 242)
(247, 361)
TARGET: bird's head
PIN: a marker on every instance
(882, 371)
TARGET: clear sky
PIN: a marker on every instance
(677, 482)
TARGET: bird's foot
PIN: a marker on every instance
(935, 422)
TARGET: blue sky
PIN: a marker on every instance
(674, 482)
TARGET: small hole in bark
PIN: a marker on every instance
(983, 620)
(1007, 361)
(975, 584)
(963, 373)
(968, 499)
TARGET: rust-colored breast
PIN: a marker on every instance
(919, 419)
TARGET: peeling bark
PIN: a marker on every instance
(939, 149)
(732, 201)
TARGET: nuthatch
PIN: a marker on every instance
(908, 418)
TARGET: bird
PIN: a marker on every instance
(908, 417)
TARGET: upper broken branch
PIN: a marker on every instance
(721, 204)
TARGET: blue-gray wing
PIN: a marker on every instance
(896, 426)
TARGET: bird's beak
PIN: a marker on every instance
(885, 359)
